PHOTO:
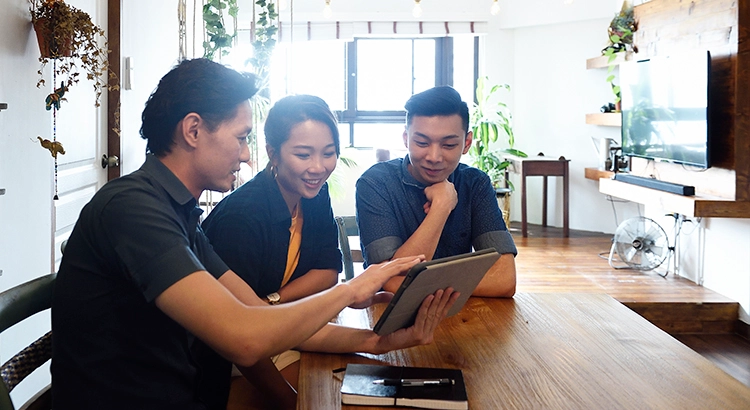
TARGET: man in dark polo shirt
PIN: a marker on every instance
(428, 202)
(140, 288)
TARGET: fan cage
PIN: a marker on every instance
(641, 243)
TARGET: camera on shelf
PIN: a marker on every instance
(620, 163)
(609, 107)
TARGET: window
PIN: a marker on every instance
(311, 67)
(367, 81)
(384, 84)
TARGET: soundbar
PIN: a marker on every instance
(678, 189)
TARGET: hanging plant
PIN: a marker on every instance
(264, 40)
(266, 29)
(218, 40)
(69, 40)
(620, 34)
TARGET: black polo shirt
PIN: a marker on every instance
(249, 229)
(112, 347)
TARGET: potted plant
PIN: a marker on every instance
(71, 42)
(489, 118)
(620, 35)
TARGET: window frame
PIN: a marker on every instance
(443, 76)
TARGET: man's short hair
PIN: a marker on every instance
(199, 86)
(437, 101)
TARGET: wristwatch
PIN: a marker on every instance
(273, 298)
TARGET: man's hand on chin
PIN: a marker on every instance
(442, 195)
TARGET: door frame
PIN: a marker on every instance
(114, 19)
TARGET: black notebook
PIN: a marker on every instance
(359, 387)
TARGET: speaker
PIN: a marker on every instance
(678, 189)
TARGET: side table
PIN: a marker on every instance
(544, 167)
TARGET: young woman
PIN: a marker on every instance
(277, 231)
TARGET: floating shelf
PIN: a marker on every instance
(610, 119)
(690, 206)
(603, 61)
(597, 174)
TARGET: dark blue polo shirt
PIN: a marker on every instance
(390, 209)
(112, 347)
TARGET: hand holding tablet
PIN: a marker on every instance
(462, 273)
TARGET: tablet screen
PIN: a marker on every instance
(461, 272)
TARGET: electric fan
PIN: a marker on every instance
(641, 243)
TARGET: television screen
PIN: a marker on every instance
(665, 108)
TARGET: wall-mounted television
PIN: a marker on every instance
(665, 108)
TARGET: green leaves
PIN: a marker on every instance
(74, 43)
(213, 18)
(266, 30)
(516, 152)
(620, 30)
(490, 118)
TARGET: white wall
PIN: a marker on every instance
(25, 173)
(552, 92)
(723, 260)
(151, 41)
(541, 49)
(714, 252)
(26, 170)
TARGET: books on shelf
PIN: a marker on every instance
(429, 388)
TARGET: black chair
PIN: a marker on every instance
(348, 227)
(17, 304)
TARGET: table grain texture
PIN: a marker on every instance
(545, 351)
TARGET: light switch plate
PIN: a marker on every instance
(127, 74)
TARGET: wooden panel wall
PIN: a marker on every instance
(720, 26)
(742, 117)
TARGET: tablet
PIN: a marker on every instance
(461, 272)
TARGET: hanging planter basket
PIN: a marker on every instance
(52, 45)
(70, 41)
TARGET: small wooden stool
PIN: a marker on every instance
(544, 167)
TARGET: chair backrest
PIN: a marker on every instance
(17, 304)
(348, 227)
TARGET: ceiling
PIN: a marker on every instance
(513, 13)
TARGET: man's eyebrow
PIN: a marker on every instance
(447, 137)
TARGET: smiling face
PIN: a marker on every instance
(224, 149)
(305, 161)
(435, 147)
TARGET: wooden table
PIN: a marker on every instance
(544, 167)
(546, 351)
